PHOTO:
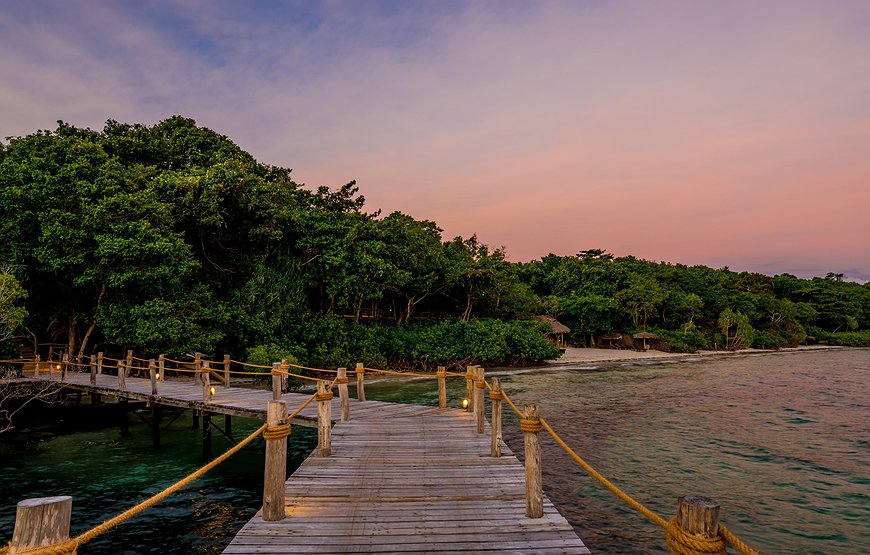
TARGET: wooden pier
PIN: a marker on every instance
(399, 478)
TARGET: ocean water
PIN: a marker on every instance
(782, 441)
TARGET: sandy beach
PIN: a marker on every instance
(574, 355)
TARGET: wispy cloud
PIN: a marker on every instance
(727, 134)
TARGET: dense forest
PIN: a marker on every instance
(172, 239)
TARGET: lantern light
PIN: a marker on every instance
(212, 390)
(465, 403)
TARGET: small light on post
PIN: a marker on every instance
(157, 376)
(57, 367)
(212, 390)
(465, 403)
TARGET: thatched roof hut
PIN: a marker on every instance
(645, 335)
(557, 328)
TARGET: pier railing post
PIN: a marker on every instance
(197, 364)
(152, 373)
(206, 383)
(531, 427)
(93, 368)
(122, 376)
(100, 363)
(36, 367)
(226, 371)
(275, 472)
(341, 382)
(469, 387)
(324, 418)
(161, 367)
(285, 375)
(441, 374)
(41, 522)
(129, 359)
(479, 404)
(360, 381)
(697, 515)
(495, 395)
(65, 368)
(276, 381)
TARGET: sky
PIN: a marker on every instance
(698, 132)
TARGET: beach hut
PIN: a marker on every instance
(645, 335)
(610, 338)
(558, 329)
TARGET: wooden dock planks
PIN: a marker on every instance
(408, 479)
(401, 479)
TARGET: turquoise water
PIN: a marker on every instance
(781, 440)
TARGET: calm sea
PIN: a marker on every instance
(782, 441)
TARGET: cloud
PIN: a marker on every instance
(731, 133)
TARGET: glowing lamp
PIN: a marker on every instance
(465, 403)
(58, 367)
(157, 376)
(212, 390)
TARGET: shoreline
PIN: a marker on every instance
(584, 355)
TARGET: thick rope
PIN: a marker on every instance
(277, 432)
(495, 395)
(325, 396)
(341, 380)
(531, 426)
(681, 542)
(72, 544)
(480, 384)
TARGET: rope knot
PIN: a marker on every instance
(340, 380)
(441, 374)
(470, 376)
(681, 542)
(325, 396)
(276, 432)
(531, 426)
(480, 384)
(496, 395)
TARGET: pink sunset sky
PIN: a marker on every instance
(720, 133)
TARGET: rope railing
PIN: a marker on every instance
(679, 541)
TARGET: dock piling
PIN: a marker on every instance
(531, 427)
(324, 418)
(360, 381)
(275, 472)
(341, 381)
(441, 374)
(41, 522)
(496, 396)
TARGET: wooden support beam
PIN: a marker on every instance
(699, 515)
(469, 387)
(360, 381)
(36, 366)
(324, 419)
(65, 368)
(122, 376)
(206, 435)
(152, 374)
(341, 381)
(228, 426)
(41, 522)
(275, 472)
(496, 397)
(197, 363)
(207, 389)
(93, 369)
(226, 371)
(161, 367)
(531, 427)
(100, 363)
(441, 374)
(276, 381)
(479, 404)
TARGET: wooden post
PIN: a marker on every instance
(100, 363)
(531, 426)
(496, 396)
(275, 472)
(197, 363)
(441, 374)
(276, 381)
(36, 367)
(41, 522)
(161, 367)
(152, 373)
(228, 424)
(50, 354)
(206, 384)
(697, 514)
(324, 419)
(285, 378)
(469, 387)
(226, 372)
(65, 368)
(479, 404)
(122, 376)
(341, 381)
(129, 359)
(360, 381)
(195, 419)
(93, 370)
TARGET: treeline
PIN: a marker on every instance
(696, 307)
(172, 239)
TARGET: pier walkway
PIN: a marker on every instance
(400, 479)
